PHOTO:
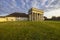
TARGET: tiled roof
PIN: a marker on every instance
(2, 16)
(16, 14)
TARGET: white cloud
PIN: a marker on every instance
(23, 3)
(55, 12)
(11, 5)
(27, 1)
(35, 4)
(43, 2)
(49, 3)
(14, 3)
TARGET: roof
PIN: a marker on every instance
(36, 10)
(16, 14)
(2, 16)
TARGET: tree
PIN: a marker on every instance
(54, 18)
(45, 17)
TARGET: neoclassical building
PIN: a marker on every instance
(35, 14)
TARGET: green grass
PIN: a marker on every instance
(27, 30)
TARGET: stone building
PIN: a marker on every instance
(17, 17)
(35, 15)
(14, 17)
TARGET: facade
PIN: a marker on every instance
(35, 15)
(14, 17)
(2, 19)
(17, 17)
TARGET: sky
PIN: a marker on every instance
(50, 7)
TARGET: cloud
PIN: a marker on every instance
(43, 2)
(49, 3)
(13, 3)
(9, 6)
(52, 5)
(55, 12)
(35, 3)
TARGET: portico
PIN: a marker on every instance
(35, 14)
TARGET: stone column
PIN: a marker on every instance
(29, 17)
(41, 16)
(32, 17)
(37, 16)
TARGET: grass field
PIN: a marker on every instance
(26, 30)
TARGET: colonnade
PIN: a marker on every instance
(35, 17)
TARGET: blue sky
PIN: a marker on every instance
(50, 7)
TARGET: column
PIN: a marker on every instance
(37, 16)
(29, 17)
(32, 17)
(41, 17)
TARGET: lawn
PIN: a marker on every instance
(28, 30)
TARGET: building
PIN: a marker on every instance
(35, 15)
(14, 17)
(17, 17)
(2, 19)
